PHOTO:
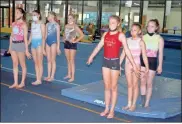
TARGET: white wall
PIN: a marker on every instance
(174, 19)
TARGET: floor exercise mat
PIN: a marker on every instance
(165, 101)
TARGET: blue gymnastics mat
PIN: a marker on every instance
(165, 101)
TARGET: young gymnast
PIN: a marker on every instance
(112, 41)
(52, 36)
(19, 47)
(70, 45)
(154, 46)
(137, 47)
(37, 40)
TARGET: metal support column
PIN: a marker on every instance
(66, 12)
(165, 17)
(141, 11)
(82, 11)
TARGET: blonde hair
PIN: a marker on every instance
(53, 14)
(72, 16)
(117, 18)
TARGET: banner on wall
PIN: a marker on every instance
(145, 7)
(168, 7)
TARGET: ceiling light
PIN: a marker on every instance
(136, 3)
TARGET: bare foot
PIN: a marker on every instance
(71, 80)
(21, 85)
(146, 106)
(46, 78)
(126, 108)
(110, 115)
(132, 108)
(37, 83)
(104, 113)
(50, 79)
(13, 86)
(67, 76)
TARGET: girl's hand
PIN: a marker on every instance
(58, 51)
(9, 51)
(146, 70)
(28, 55)
(120, 70)
(89, 61)
(159, 69)
(137, 71)
(64, 38)
(44, 52)
(73, 40)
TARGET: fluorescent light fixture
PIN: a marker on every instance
(128, 3)
(58, 2)
(136, 4)
(19, 2)
(32, 1)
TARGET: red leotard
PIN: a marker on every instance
(112, 45)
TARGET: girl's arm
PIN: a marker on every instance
(97, 49)
(64, 34)
(30, 38)
(81, 35)
(144, 55)
(10, 42)
(45, 32)
(122, 57)
(122, 38)
(25, 31)
(43, 35)
(58, 36)
(161, 48)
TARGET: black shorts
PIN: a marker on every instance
(152, 63)
(111, 63)
(68, 45)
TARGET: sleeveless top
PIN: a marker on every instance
(70, 33)
(135, 49)
(17, 32)
(152, 44)
(112, 45)
(36, 31)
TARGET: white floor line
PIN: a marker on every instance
(43, 77)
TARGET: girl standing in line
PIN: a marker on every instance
(154, 46)
(70, 45)
(37, 39)
(52, 44)
(137, 47)
(112, 41)
(19, 47)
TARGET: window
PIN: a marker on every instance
(109, 8)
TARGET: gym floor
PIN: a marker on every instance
(45, 103)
